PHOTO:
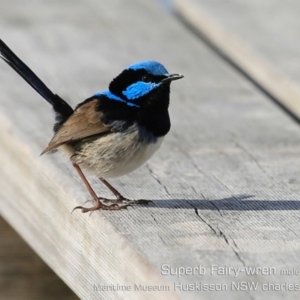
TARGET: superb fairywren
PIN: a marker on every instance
(113, 132)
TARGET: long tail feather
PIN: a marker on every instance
(62, 109)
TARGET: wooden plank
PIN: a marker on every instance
(224, 184)
(260, 39)
(23, 275)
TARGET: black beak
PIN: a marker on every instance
(172, 77)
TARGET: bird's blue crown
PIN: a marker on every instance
(151, 66)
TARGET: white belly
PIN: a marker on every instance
(116, 154)
(134, 161)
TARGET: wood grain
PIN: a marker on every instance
(224, 185)
(253, 37)
(23, 275)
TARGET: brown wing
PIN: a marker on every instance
(84, 122)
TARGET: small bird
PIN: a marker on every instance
(113, 132)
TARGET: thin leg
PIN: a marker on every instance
(112, 189)
(97, 202)
(120, 197)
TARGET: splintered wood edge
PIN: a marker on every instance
(84, 251)
(275, 84)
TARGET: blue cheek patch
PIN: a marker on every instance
(113, 97)
(139, 89)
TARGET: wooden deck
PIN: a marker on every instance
(225, 184)
(24, 275)
(257, 38)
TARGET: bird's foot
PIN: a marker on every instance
(112, 204)
(124, 201)
(98, 206)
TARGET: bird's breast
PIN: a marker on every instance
(117, 153)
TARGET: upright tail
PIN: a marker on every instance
(61, 108)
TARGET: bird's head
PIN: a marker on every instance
(143, 83)
(139, 94)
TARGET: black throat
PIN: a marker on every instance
(151, 111)
(154, 115)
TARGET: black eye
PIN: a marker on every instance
(146, 78)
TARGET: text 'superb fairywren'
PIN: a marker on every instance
(113, 132)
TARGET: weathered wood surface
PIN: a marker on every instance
(225, 184)
(259, 38)
(24, 275)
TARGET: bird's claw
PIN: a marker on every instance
(112, 204)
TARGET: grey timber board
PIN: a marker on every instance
(269, 27)
(259, 37)
(24, 275)
(225, 183)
